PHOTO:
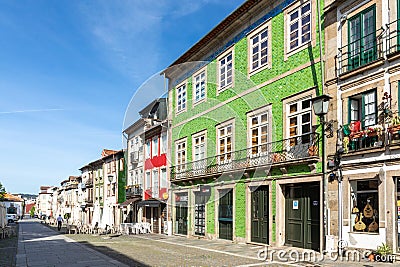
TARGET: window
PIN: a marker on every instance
(156, 188)
(148, 147)
(365, 206)
(148, 181)
(121, 164)
(299, 121)
(225, 71)
(163, 178)
(163, 143)
(199, 147)
(225, 136)
(363, 108)
(199, 86)
(180, 155)
(299, 26)
(155, 147)
(259, 50)
(362, 40)
(259, 133)
(181, 98)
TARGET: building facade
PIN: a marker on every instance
(135, 172)
(362, 76)
(155, 164)
(245, 148)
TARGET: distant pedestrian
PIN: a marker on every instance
(59, 222)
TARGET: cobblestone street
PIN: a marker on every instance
(40, 245)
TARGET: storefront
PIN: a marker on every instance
(181, 213)
(225, 214)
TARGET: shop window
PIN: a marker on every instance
(365, 207)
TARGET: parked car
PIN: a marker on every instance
(11, 218)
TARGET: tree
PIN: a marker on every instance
(32, 211)
(2, 192)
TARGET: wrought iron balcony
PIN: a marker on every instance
(393, 40)
(134, 191)
(359, 52)
(89, 182)
(285, 151)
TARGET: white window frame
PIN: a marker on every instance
(258, 113)
(154, 146)
(199, 136)
(163, 143)
(148, 149)
(155, 188)
(148, 180)
(181, 97)
(200, 83)
(225, 157)
(299, 20)
(298, 115)
(224, 57)
(257, 33)
(163, 178)
(180, 155)
(296, 6)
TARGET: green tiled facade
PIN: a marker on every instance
(294, 77)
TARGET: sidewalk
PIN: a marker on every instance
(38, 245)
(252, 252)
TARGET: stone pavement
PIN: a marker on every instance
(39, 245)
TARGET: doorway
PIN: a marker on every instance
(259, 215)
(302, 212)
(225, 214)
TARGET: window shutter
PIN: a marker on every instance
(398, 86)
(363, 111)
(349, 110)
(376, 107)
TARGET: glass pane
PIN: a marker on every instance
(305, 104)
(305, 8)
(293, 121)
(293, 108)
(264, 118)
(305, 118)
(294, 15)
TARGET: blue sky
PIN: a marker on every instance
(68, 70)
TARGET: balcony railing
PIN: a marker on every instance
(89, 182)
(134, 191)
(393, 40)
(357, 138)
(279, 152)
(359, 52)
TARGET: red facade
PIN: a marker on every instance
(152, 163)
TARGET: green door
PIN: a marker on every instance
(259, 215)
(181, 218)
(225, 214)
(302, 211)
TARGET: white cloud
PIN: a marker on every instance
(130, 32)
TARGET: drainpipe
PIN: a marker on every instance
(169, 223)
(324, 178)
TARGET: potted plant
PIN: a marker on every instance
(384, 253)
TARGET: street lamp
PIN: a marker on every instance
(320, 106)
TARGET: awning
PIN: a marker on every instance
(149, 203)
(129, 201)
